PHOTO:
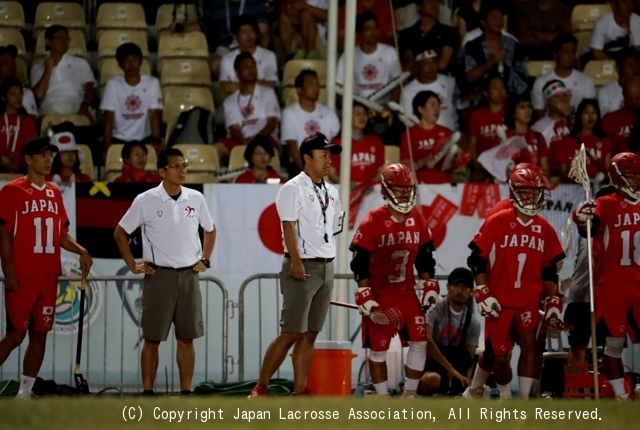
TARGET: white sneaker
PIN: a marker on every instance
(475, 394)
(24, 396)
(409, 394)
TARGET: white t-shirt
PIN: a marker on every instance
(606, 30)
(580, 85)
(610, 98)
(169, 227)
(66, 85)
(445, 88)
(29, 102)
(297, 124)
(252, 111)
(131, 106)
(265, 62)
(372, 71)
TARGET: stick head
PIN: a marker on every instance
(388, 316)
(578, 171)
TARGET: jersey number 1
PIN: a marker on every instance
(626, 236)
(48, 248)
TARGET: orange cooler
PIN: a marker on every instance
(331, 369)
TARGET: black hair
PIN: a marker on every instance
(510, 109)
(486, 83)
(127, 49)
(626, 53)
(258, 140)
(163, 157)
(9, 50)
(4, 89)
(577, 124)
(128, 147)
(53, 29)
(364, 17)
(244, 19)
(241, 56)
(56, 166)
(489, 6)
(420, 99)
(299, 82)
(562, 39)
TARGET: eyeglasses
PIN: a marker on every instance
(183, 166)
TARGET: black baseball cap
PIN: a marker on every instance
(461, 275)
(318, 141)
(9, 49)
(38, 146)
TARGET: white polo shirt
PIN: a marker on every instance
(297, 201)
(66, 85)
(297, 123)
(169, 227)
(251, 112)
(265, 62)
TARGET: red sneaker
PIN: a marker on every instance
(258, 391)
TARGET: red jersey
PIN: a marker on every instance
(37, 219)
(393, 246)
(599, 149)
(367, 156)
(500, 206)
(517, 252)
(618, 125)
(537, 144)
(15, 131)
(483, 125)
(426, 143)
(249, 177)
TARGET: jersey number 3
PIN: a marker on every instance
(401, 268)
(48, 248)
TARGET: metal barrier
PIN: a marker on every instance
(123, 371)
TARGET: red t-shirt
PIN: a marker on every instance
(618, 126)
(381, 10)
(367, 155)
(426, 143)
(516, 253)
(11, 144)
(393, 246)
(598, 149)
(483, 125)
(249, 178)
(37, 219)
(537, 144)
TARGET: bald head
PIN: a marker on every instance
(631, 94)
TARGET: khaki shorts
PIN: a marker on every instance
(305, 304)
(172, 296)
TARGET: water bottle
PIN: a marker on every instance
(501, 68)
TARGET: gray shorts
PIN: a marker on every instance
(305, 304)
(172, 296)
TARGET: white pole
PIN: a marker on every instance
(332, 52)
(345, 165)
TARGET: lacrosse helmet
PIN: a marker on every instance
(624, 172)
(529, 188)
(398, 187)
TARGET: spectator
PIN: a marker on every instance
(375, 64)
(134, 161)
(251, 110)
(67, 161)
(586, 129)
(485, 121)
(538, 23)
(610, 96)
(8, 69)
(494, 51)
(307, 116)
(427, 139)
(428, 33)
(367, 152)
(518, 117)
(62, 83)
(258, 154)
(428, 79)
(132, 104)
(379, 8)
(619, 124)
(307, 19)
(452, 327)
(244, 32)
(615, 31)
(466, 18)
(580, 85)
(18, 127)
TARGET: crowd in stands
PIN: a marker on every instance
(442, 89)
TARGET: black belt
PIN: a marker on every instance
(155, 266)
(315, 260)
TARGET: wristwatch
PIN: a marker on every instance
(206, 262)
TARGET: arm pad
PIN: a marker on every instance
(476, 263)
(425, 263)
(360, 263)
(550, 273)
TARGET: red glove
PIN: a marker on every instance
(430, 294)
(365, 301)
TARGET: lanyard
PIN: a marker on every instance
(323, 206)
(247, 110)
(240, 10)
(11, 149)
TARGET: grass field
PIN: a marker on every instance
(89, 413)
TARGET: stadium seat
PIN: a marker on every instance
(539, 68)
(87, 164)
(584, 16)
(113, 162)
(110, 40)
(77, 45)
(290, 96)
(6, 177)
(237, 161)
(21, 71)
(185, 71)
(601, 71)
(164, 16)
(293, 67)
(201, 158)
(109, 68)
(120, 16)
(584, 42)
(11, 14)
(182, 45)
(391, 154)
(200, 178)
(51, 120)
(71, 15)
(179, 99)
(12, 36)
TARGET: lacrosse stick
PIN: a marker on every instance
(81, 384)
(407, 118)
(389, 87)
(389, 316)
(368, 103)
(578, 173)
(567, 244)
(448, 147)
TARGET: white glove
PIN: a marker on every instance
(365, 301)
(430, 296)
(584, 212)
(487, 304)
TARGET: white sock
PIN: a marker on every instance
(535, 388)
(411, 384)
(26, 384)
(505, 390)
(382, 388)
(618, 386)
(479, 378)
(525, 386)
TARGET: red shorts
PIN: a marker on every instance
(414, 327)
(498, 329)
(614, 303)
(33, 304)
